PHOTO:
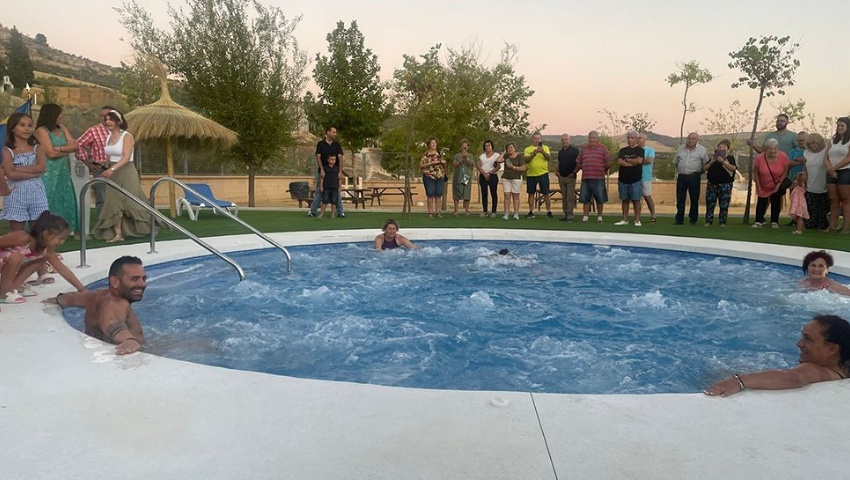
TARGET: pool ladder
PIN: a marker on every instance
(155, 214)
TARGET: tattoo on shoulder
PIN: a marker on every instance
(113, 329)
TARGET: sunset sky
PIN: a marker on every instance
(578, 57)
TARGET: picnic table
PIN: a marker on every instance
(378, 192)
(555, 194)
(355, 195)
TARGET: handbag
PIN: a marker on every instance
(784, 186)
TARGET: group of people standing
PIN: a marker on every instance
(532, 165)
(36, 182)
(815, 171)
(36, 165)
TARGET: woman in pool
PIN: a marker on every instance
(824, 356)
(391, 239)
(816, 267)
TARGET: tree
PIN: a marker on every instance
(767, 64)
(689, 73)
(19, 66)
(352, 97)
(729, 121)
(41, 39)
(242, 68)
(616, 124)
(414, 85)
(138, 84)
(796, 111)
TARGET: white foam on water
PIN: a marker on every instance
(482, 299)
(654, 300)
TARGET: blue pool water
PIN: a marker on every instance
(560, 318)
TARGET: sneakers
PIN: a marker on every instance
(599, 220)
(549, 215)
(516, 216)
(757, 225)
(311, 214)
(638, 224)
(584, 219)
(774, 225)
(506, 217)
(529, 215)
(797, 232)
(340, 215)
(621, 223)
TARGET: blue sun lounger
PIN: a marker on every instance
(193, 204)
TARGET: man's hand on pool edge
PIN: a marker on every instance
(128, 346)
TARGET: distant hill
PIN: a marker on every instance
(64, 68)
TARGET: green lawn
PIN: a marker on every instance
(291, 221)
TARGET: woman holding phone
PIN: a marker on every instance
(721, 175)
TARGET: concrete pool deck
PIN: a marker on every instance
(71, 409)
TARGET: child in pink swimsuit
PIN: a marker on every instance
(23, 254)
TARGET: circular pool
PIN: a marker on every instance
(549, 317)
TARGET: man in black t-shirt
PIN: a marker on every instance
(326, 148)
(630, 160)
(567, 168)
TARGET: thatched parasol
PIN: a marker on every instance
(166, 119)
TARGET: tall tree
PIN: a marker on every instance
(41, 39)
(138, 84)
(415, 83)
(729, 121)
(691, 74)
(352, 97)
(19, 64)
(242, 68)
(767, 64)
(616, 124)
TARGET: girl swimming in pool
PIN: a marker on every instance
(22, 254)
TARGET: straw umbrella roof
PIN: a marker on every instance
(167, 119)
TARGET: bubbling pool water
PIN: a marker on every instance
(549, 317)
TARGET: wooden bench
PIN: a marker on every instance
(380, 192)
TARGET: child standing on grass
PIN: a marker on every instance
(330, 187)
(799, 209)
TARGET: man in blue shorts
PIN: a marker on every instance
(630, 160)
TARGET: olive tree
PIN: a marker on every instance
(241, 66)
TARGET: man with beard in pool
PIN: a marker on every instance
(109, 314)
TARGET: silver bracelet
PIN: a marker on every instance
(740, 382)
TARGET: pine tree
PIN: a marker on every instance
(19, 64)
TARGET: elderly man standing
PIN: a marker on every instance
(567, 168)
(537, 173)
(690, 158)
(594, 160)
(630, 160)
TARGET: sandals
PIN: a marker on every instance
(652, 220)
(115, 239)
(44, 279)
(13, 297)
(27, 291)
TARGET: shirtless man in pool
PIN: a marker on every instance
(109, 315)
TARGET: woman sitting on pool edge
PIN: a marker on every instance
(824, 356)
(391, 239)
(816, 266)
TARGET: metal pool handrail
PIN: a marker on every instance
(219, 210)
(154, 215)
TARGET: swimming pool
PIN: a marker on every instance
(562, 318)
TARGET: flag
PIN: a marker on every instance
(25, 108)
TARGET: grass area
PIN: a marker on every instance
(291, 221)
